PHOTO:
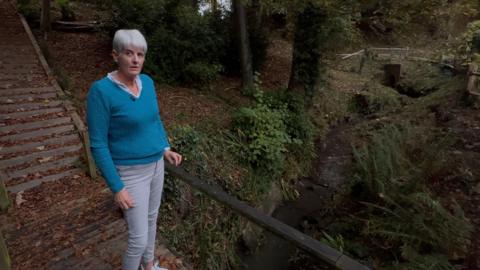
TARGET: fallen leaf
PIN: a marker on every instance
(45, 159)
(19, 198)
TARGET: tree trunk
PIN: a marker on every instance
(244, 47)
(214, 4)
(306, 70)
(195, 5)
(45, 17)
(256, 14)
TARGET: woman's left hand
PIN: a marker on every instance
(173, 157)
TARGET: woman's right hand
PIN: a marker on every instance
(124, 200)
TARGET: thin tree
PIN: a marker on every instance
(214, 5)
(305, 69)
(244, 47)
(45, 17)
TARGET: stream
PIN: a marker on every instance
(333, 154)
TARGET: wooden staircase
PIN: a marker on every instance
(60, 218)
(38, 139)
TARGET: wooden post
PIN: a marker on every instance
(4, 200)
(92, 171)
(5, 263)
(4, 204)
(45, 17)
(392, 74)
(472, 78)
(363, 59)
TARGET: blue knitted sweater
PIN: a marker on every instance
(123, 130)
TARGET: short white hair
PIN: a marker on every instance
(129, 37)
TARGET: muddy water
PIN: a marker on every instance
(333, 155)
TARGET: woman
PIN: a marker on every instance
(129, 143)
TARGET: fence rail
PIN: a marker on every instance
(299, 239)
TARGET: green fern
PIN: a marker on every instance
(400, 215)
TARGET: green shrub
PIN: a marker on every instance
(199, 228)
(275, 125)
(207, 237)
(184, 45)
(188, 141)
(263, 132)
(66, 10)
(470, 40)
(30, 10)
(420, 80)
(201, 74)
(375, 98)
(299, 126)
(143, 15)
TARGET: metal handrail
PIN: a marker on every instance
(299, 239)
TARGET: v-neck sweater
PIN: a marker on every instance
(124, 129)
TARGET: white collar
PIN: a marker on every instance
(122, 86)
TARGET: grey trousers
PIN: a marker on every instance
(144, 183)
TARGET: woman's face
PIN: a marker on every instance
(130, 61)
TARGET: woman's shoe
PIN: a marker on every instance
(155, 267)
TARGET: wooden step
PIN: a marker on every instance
(27, 98)
(35, 125)
(38, 181)
(25, 91)
(88, 263)
(84, 232)
(29, 114)
(18, 61)
(7, 51)
(19, 66)
(94, 233)
(32, 135)
(22, 72)
(21, 77)
(32, 157)
(74, 209)
(54, 214)
(21, 47)
(30, 106)
(32, 146)
(22, 83)
(64, 162)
